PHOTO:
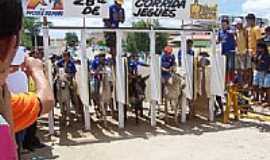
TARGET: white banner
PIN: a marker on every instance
(155, 78)
(218, 73)
(87, 8)
(172, 9)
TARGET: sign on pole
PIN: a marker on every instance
(67, 8)
(86, 8)
(41, 8)
(204, 10)
(173, 9)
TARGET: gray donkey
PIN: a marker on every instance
(63, 95)
(103, 96)
(173, 92)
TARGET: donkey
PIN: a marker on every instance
(63, 95)
(173, 92)
(103, 97)
(137, 86)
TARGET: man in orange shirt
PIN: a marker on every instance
(253, 35)
(20, 111)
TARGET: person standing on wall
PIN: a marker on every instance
(226, 37)
(242, 60)
(116, 16)
(253, 35)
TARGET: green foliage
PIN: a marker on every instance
(31, 27)
(101, 43)
(137, 42)
(71, 39)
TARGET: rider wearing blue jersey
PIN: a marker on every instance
(190, 51)
(168, 64)
(97, 66)
(133, 64)
(68, 64)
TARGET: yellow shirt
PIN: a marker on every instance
(241, 41)
(31, 85)
(254, 34)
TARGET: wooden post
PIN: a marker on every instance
(120, 75)
(184, 99)
(153, 101)
(211, 108)
(49, 67)
(212, 97)
(84, 78)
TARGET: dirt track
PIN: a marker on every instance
(198, 139)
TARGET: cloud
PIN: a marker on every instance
(260, 7)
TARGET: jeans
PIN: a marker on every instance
(230, 62)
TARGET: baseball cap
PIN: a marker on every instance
(238, 21)
(120, 1)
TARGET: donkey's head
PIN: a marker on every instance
(137, 88)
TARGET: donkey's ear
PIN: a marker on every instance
(146, 77)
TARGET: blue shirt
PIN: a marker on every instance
(227, 40)
(70, 67)
(133, 65)
(190, 52)
(167, 61)
(262, 62)
(96, 63)
(117, 14)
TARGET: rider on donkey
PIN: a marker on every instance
(68, 64)
(97, 67)
(70, 69)
(133, 64)
(168, 64)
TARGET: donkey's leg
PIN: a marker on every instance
(64, 113)
(69, 112)
(104, 117)
(137, 113)
(125, 112)
(166, 111)
(175, 108)
(141, 109)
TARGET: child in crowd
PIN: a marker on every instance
(261, 61)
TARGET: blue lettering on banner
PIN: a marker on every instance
(45, 13)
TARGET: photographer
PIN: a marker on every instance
(19, 111)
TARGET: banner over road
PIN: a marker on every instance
(143, 9)
(173, 9)
(87, 8)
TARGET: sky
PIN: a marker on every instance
(229, 7)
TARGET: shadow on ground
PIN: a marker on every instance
(74, 135)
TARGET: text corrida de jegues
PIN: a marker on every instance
(158, 8)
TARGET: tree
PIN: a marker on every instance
(137, 42)
(32, 27)
(71, 39)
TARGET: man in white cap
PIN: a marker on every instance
(243, 60)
